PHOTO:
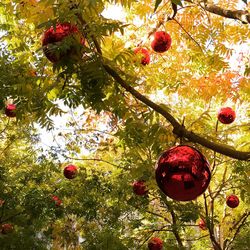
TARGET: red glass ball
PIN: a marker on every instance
(7, 228)
(155, 244)
(162, 41)
(182, 173)
(226, 115)
(202, 224)
(10, 110)
(233, 201)
(52, 39)
(145, 55)
(57, 201)
(70, 171)
(139, 188)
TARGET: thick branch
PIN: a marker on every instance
(241, 15)
(175, 231)
(179, 130)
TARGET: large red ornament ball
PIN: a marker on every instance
(233, 201)
(57, 201)
(202, 224)
(226, 115)
(182, 173)
(6, 228)
(162, 41)
(70, 171)
(139, 188)
(155, 244)
(10, 110)
(53, 38)
(144, 53)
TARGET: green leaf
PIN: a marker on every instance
(177, 2)
(157, 3)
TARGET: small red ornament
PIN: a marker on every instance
(53, 38)
(6, 228)
(226, 115)
(202, 224)
(182, 173)
(145, 55)
(162, 41)
(139, 188)
(233, 201)
(10, 110)
(155, 244)
(57, 201)
(2, 202)
(70, 171)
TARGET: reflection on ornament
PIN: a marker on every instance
(155, 244)
(226, 115)
(6, 228)
(140, 188)
(162, 42)
(145, 56)
(57, 201)
(10, 110)
(182, 173)
(233, 201)
(70, 171)
(53, 37)
(202, 224)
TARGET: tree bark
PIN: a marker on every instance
(179, 130)
(241, 15)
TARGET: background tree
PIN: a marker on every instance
(129, 114)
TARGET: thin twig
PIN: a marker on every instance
(90, 159)
(238, 230)
(189, 35)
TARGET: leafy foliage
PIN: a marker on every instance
(114, 139)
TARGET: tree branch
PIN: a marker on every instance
(179, 130)
(210, 225)
(243, 220)
(174, 221)
(175, 231)
(241, 15)
(90, 159)
(189, 35)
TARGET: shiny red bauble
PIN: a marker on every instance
(233, 201)
(70, 171)
(182, 173)
(144, 53)
(57, 201)
(52, 41)
(10, 110)
(226, 115)
(162, 41)
(139, 188)
(202, 224)
(6, 228)
(155, 244)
